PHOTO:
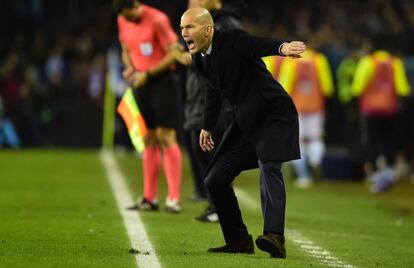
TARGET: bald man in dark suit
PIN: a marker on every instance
(263, 133)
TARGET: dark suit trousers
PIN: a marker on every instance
(237, 154)
(273, 197)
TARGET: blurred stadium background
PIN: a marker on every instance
(53, 56)
(57, 59)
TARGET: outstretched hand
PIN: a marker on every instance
(293, 49)
(128, 72)
(180, 55)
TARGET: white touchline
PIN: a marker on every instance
(146, 256)
(316, 251)
(305, 244)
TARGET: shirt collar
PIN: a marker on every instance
(208, 52)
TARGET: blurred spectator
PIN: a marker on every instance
(379, 81)
(345, 76)
(85, 29)
(350, 114)
(309, 81)
(10, 79)
(8, 135)
(96, 78)
(273, 64)
(55, 67)
(17, 91)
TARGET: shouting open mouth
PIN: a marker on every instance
(190, 44)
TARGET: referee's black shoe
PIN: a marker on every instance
(144, 205)
(273, 244)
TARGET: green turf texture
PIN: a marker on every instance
(57, 210)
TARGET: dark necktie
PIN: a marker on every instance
(206, 62)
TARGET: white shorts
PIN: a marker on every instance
(311, 126)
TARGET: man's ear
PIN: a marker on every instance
(208, 30)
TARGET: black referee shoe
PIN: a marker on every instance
(208, 216)
(144, 205)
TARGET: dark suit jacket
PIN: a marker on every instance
(262, 109)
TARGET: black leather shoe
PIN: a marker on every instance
(245, 246)
(273, 244)
(208, 216)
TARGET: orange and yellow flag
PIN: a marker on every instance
(129, 111)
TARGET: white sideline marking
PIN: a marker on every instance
(305, 244)
(132, 221)
(316, 251)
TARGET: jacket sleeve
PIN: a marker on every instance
(252, 46)
(401, 83)
(211, 108)
(325, 75)
(363, 73)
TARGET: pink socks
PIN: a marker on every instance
(151, 161)
(172, 159)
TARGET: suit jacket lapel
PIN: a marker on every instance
(197, 61)
(215, 58)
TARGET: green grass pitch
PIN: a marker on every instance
(57, 210)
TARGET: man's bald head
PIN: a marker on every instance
(200, 16)
(197, 29)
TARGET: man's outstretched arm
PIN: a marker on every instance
(253, 46)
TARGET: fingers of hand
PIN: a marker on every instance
(296, 47)
(211, 141)
(201, 142)
(128, 73)
(209, 144)
(206, 142)
(176, 53)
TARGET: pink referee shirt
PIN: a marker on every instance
(146, 38)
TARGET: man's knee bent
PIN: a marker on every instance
(216, 180)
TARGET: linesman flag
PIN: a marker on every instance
(133, 119)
